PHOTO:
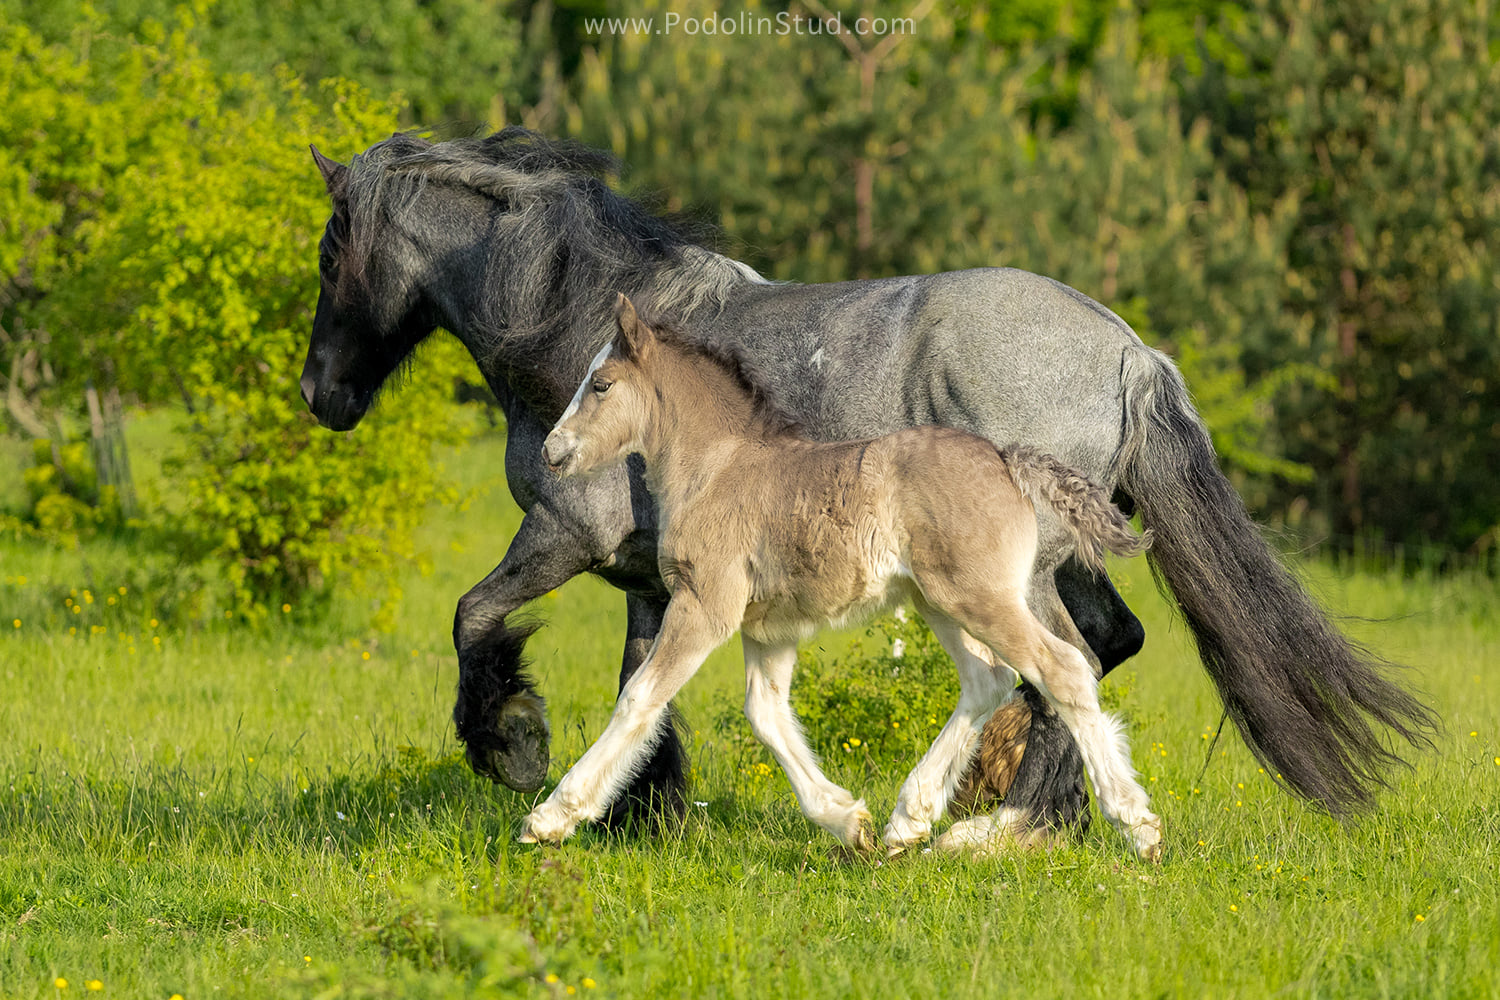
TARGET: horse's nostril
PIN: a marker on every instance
(309, 390)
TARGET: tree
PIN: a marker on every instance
(175, 257)
(451, 59)
(1380, 121)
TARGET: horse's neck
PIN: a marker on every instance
(696, 439)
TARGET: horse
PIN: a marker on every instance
(767, 533)
(511, 241)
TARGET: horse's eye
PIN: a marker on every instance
(601, 386)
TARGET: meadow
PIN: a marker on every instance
(282, 811)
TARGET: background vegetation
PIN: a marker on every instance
(1295, 199)
(225, 631)
(216, 811)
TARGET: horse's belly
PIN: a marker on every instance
(791, 610)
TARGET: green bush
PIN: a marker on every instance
(884, 701)
(180, 263)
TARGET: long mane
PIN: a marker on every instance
(571, 240)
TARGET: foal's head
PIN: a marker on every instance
(614, 406)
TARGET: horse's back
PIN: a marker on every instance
(1009, 355)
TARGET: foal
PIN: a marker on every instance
(777, 536)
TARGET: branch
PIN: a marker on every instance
(846, 39)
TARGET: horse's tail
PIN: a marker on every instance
(1303, 696)
(1081, 504)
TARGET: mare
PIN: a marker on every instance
(765, 532)
(516, 244)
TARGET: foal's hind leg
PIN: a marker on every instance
(768, 683)
(1061, 673)
(1045, 794)
(928, 789)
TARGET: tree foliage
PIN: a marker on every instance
(451, 59)
(180, 260)
(1379, 121)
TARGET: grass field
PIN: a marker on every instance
(283, 813)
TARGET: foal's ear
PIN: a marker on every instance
(635, 337)
(335, 174)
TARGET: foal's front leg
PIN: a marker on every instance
(689, 632)
(768, 683)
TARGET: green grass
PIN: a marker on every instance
(285, 813)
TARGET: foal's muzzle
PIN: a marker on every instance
(557, 449)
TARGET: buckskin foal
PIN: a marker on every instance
(776, 536)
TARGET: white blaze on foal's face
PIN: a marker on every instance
(594, 430)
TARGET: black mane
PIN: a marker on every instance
(570, 239)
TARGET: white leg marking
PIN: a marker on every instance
(685, 640)
(927, 790)
(768, 677)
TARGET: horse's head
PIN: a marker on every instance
(609, 414)
(370, 314)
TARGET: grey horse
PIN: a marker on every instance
(518, 246)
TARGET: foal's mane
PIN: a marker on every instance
(766, 417)
(569, 234)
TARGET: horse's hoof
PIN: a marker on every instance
(516, 753)
(983, 836)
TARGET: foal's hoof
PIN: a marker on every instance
(858, 835)
(546, 824)
(1146, 835)
(515, 753)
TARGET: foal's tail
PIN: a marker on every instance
(1309, 703)
(1081, 505)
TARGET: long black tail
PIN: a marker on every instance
(1308, 702)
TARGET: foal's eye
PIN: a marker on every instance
(601, 386)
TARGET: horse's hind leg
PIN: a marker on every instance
(1061, 673)
(768, 683)
(931, 784)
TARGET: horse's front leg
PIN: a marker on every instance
(500, 718)
(689, 633)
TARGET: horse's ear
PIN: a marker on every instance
(635, 338)
(335, 174)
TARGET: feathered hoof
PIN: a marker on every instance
(1147, 838)
(515, 752)
(983, 836)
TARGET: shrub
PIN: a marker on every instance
(180, 263)
(884, 701)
